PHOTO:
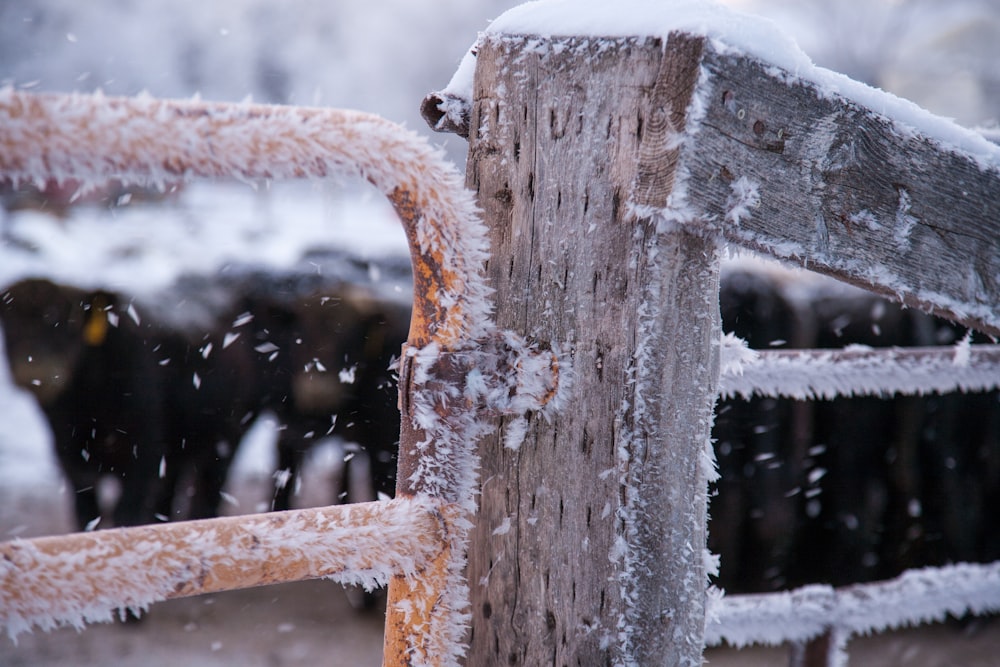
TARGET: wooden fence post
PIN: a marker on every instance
(589, 548)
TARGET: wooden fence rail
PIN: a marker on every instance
(825, 374)
(829, 617)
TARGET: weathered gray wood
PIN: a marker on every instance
(844, 191)
(589, 545)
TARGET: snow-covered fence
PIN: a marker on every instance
(820, 619)
(452, 340)
(85, 577)
(856, 371)
(611, 169)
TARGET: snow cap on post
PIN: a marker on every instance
(798, 162)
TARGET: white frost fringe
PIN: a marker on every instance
(82, 578)
(856, 370)
(143, 140)
(914, 598)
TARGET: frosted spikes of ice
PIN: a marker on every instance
(915, 597)
(856, 370)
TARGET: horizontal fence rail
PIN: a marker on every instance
(857, 371)
(914, 598)
(84, 577)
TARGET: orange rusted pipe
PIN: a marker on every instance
(143, 140)
(148, 141)
(68, 579)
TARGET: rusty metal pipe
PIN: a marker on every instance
(149, 141)
(69, 579)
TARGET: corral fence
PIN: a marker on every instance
(608, 171)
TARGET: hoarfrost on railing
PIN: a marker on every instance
(914, 598)
(77, 579)
(856, 370)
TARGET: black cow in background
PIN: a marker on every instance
(216, 382)
(339, 355)
(160, 405)
(332, 337)
(159, 393)
(95, 376)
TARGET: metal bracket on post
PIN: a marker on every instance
(450, 389)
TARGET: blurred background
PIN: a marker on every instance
(380, 56)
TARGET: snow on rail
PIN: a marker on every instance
(856, 370)
(914, 598)
(149, 141)
(81, 578)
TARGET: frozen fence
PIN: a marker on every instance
(92, 138)
(417, 543)
(914, 598)
(614, 149)
(85, 577)
(610, 171)
(857, 371)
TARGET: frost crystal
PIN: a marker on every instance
(857, 370)
(744, 195)
(913, 598)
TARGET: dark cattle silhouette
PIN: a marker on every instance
(158, 392)
(851, 489)
(95, 376)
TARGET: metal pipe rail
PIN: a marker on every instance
(85, 577)
(148, 141)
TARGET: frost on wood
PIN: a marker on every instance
(804, 164)
(655, 449)
(856, 371)
(449, 395)
(85, 577)
(730, 31)
(497, 374)
(914, 598)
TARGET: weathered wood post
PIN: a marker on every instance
(589, 548)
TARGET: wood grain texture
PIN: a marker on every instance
(584, 529)
(846, 191)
